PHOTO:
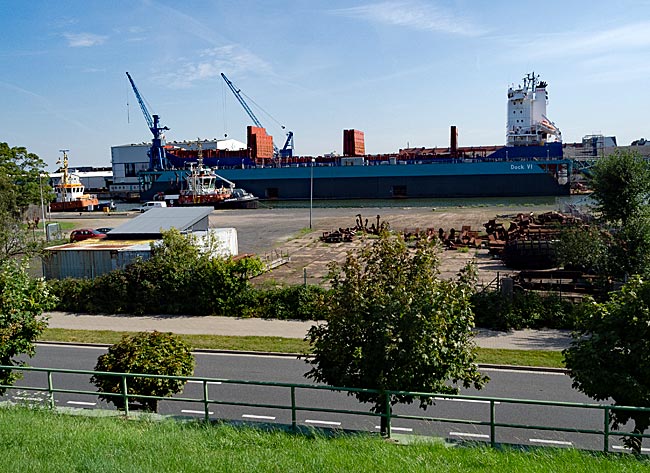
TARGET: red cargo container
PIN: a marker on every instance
(353, 143)
(260, 144)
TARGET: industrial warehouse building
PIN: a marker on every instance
(132, 240)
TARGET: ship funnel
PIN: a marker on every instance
(453, 141)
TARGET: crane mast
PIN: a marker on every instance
(157, 155)
(287, 149)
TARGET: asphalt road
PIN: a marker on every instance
(513, 384)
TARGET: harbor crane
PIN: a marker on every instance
(287, 149)
(157, 156)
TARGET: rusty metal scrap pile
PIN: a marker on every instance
(522, 227)
(348, 234)
(544, 227)
(466, 237)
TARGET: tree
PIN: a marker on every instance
(22, 302)
(145, 353)
(393, 325)
(21, 185)
(609, 356)
(20, 179)
(630, 253)
(585, 248)
(620, 182)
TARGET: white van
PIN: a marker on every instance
(152, 204)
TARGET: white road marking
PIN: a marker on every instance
(22, 398)
(251, 416)
(192, 381)
(189, 411)
(469, 434)
(399, 429)
(82, 403)
(476, 401)
(618, 447)
(552, 442)
(323, 422)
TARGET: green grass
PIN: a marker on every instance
(294, 345)
(215, 342)
(38, 440)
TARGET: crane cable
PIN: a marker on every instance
(260, 108)
(225, 116)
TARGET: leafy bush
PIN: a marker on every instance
(72, 294)
(523, 310)
(609, 357)
(292, 302)
(22, 302)
(144, 353)
(177, 279)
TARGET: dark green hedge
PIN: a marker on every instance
(523, 310)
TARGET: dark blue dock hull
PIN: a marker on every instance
(502, 178)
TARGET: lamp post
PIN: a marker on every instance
(40, 188)
(311, 189)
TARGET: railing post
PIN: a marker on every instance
(125, 396)
(293, 407)
(493, 439)
(206, 404)
(50, 388)
(388, 414)
(606, 431)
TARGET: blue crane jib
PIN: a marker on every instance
(157, 155)
(287, 149)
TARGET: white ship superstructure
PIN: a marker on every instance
(528, 124)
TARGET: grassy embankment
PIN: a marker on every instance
(37, 440)
(295, 345)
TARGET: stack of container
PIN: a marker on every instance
(353, 143)
(260, 144)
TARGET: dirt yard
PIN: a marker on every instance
(272, 233)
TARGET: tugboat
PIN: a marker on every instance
(70, 192)
(202, 189)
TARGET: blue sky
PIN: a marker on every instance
(401, 71)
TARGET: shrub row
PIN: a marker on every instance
(523, 310)
(215, 293)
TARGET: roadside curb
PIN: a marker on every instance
(540, 369)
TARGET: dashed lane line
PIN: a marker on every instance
(396, 429)
(469, 434)
(252, 416)
(322, 422)
(625, 449)
(551, 442)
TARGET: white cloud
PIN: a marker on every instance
(84, 40)
(416, 15)
(614, 55)
(229, 59)
(621, 39)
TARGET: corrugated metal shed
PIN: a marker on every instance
(91, 258)
(152, 222)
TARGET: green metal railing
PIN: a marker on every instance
(606, 432)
